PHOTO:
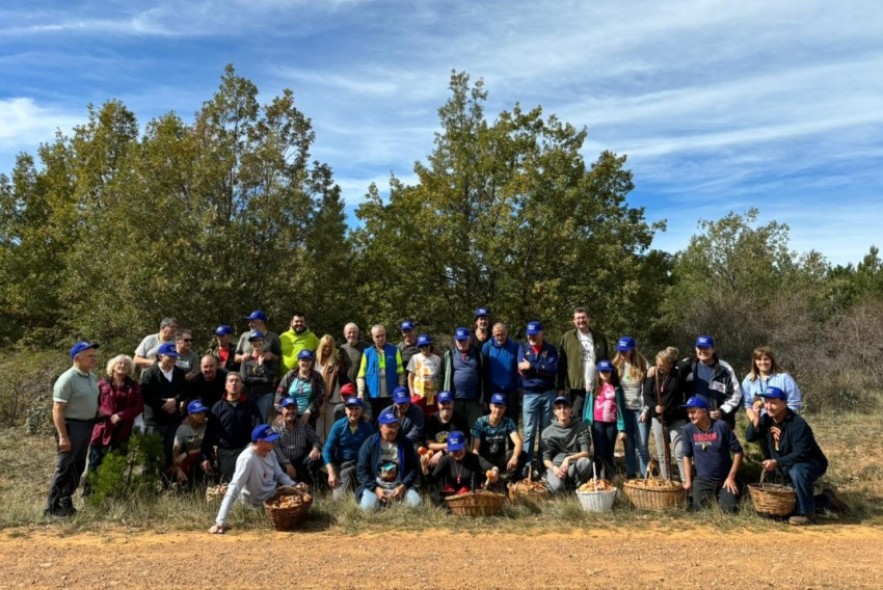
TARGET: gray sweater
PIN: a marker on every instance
(256, 479)
(560, 441)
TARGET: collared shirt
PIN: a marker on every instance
(295, 442)
(79, 392)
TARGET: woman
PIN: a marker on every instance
(663, 396)
(306, 386)
(119, 403)
(328, 364)
(604, 414)
(631, 367)
(259, 374)
(425, 375)
(766, 372)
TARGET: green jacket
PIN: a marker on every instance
(570, 359)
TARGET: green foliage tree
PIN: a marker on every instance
(505, 214)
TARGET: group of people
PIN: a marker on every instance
(383, 421)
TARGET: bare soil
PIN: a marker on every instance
(822, 556)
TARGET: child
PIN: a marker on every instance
(603, 411)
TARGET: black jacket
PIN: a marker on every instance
(155, 389)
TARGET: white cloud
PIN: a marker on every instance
(24, 124)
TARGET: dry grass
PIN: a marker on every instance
(26, 465)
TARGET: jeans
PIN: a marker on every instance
(69, 467)
(578, 401)
(346, 473)
(577, 473)
(369, 501)
(537, 408)
(637, 435)
(264, 402)
(676, 436)
(802, 477)
(604, 441)
(469, 409)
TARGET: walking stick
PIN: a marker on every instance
(665, 443)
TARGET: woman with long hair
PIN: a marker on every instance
(603, 411)
(766, 372)
(328, 364)
(663, 397)
(631, 367)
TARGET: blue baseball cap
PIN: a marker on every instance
(223, 330)
(388, 418)
(257, 315)
(625, 344)
(461, 334)
(354, 401)
(562, 399)
(306, 354)
(774, 393)
(407, 325)
(168, 349)
(534, 328)
(498, 399)
(482, 312)
(424, 340)
(196, 407)
(400, 395)
(445, 397)
(287, 402)
(255, 335)
(705, 342)
(697, 401)
(265, 433)
(456, 441)
(83, 345)
(605, 366)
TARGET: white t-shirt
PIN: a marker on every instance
(588, 344)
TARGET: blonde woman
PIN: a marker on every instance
(766, 372)
(663, 397)
(328, 364)
(631, 367)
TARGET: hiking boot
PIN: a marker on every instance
(837, 505)
(799, 520)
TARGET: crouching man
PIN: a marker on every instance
(707, 445)
(794, 453)
(387, 467)
(257, 476)
(566, 444)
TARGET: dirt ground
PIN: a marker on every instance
(825, 556)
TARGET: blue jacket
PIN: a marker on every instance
(412, 423)
(343, 444)
(589, 409)
(369, 463)
(501, 367)
(543, 367)
(370, 369)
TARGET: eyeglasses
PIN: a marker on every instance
(186, 339)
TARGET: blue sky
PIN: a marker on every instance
(719, 105)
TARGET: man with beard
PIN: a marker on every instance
(298, 448)
(230, 427)
(299, 337)
(210, 384)
(440, 425)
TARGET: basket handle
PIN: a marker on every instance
(762, 475)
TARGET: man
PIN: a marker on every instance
(209, 385)
(257, 322)
(380, 371)
(538, 367)
(459, 472)
(581, 349)
(299, 337)
(408, 346)
(439, 426)
(231, 423)
(501, 369)
(706, 375)
(164, 388)
(493, 433)
(223, 350)
(794, 454)
(387, 467)
(74, 408)
(298, 448)
(257, 475)
(410, 417)
(341, 449)
(464, 369)
(187, 449)
(566, 444)
(351, 352)
(187, 359)
(482, 333)
(145, 354)
(707, 445)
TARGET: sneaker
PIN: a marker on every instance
(837, 505)
(799, 520)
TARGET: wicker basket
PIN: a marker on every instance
(772, 499)
(478, 503)
(666, 495)
(288, 518)
(601, 501)
(518, 495)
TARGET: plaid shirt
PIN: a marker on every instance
(296, 442)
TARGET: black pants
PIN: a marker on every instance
(578, 400)
(69, 467)
(704, 490)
